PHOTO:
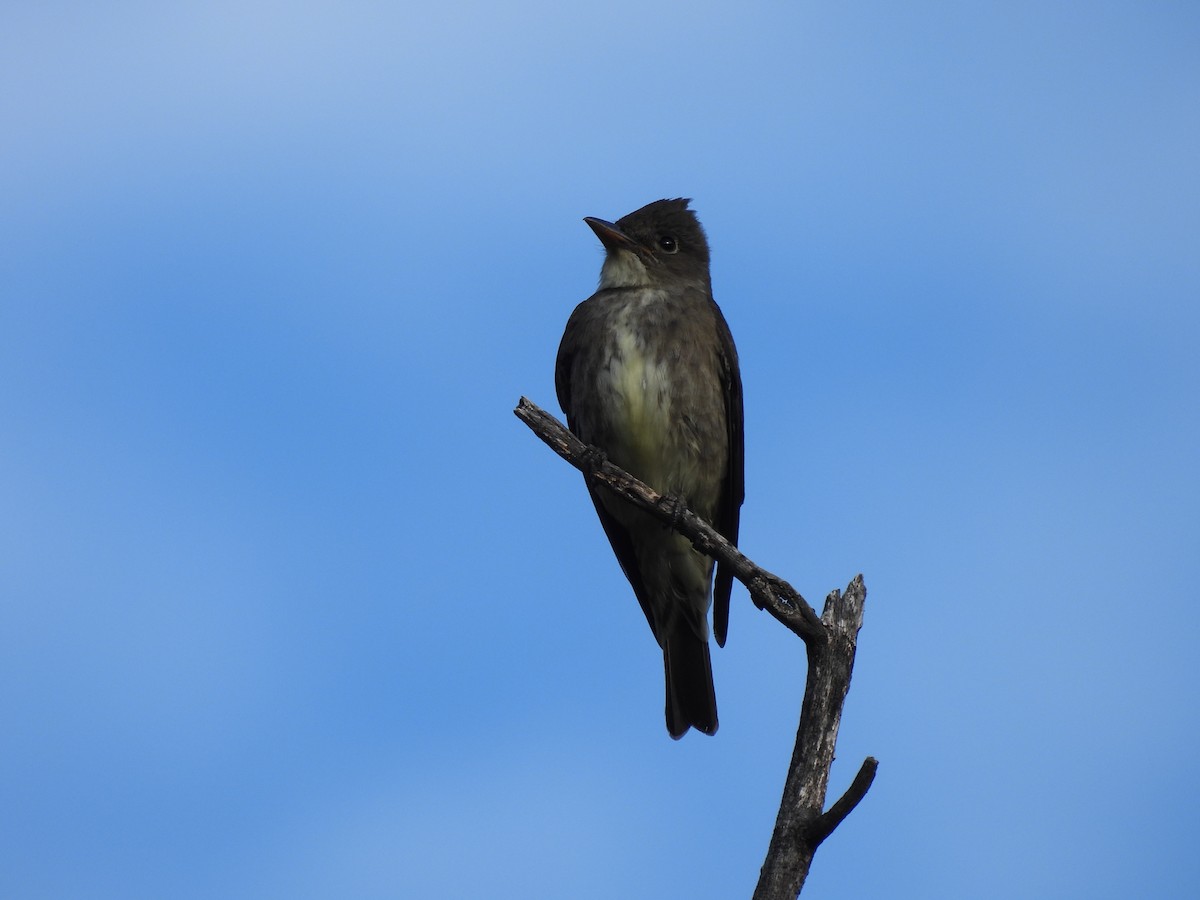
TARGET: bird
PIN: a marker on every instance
(647, 373)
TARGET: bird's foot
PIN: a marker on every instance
(593, 461)
(677, 507)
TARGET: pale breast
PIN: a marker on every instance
(646, 388)
(638, 381)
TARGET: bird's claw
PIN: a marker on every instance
(677, 508)
(592, 461)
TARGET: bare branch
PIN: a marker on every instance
(800, 826)
(831, 641)
(832, 817)
(768, 591)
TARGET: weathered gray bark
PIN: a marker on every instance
(801, 826)
(830, 639)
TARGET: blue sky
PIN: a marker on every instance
(292, 606)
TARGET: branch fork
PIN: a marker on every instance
(830, 640)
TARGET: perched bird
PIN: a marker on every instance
(647, 372)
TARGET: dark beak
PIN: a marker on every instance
(612, 237)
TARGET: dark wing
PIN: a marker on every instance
(622, 546)
(733, 492)
(562, 368)
(618, 536)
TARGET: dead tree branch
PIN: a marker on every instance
(830, 639)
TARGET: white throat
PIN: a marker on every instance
(623, 269)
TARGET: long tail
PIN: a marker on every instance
(691, 699)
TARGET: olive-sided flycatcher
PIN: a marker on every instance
(648, 373)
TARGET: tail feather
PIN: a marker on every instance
(691, 698)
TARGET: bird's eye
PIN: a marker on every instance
(667, 243)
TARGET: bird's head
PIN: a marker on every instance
(663, 241)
